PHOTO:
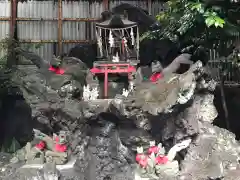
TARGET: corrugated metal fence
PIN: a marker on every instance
(59, 25)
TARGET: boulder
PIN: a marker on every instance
(105, 134)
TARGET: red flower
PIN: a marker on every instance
(142, 160)
(60, 147)
(153, 149)
(41, 145)
(161, 159)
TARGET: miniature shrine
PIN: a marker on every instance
(118, 48)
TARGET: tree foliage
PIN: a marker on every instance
(198, 24)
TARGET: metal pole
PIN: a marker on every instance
(60, 42)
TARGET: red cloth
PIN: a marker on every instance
(56, 70)
(131, 68)
(60, 147)
(153, 149)
(161, 160)
(142, 160)
(156, 76)
(41, 145)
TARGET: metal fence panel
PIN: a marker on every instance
(4, 25)
(38, 30)
(38, 21)
(73, 30)
(139, 3)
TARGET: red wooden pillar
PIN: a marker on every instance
(105, 82)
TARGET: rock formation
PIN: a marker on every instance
(104, 134)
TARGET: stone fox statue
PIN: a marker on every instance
(67, 76)
(158, 71)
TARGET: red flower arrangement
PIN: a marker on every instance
(154, 157)
(154, 162)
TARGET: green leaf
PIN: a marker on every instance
(214, 14)
(196, 6)
(220, 20)
(201, 11)
(209, 21)
(216, 24)
(221, 25)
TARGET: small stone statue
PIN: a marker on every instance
(30, 154)
(58, 154)
(55, 147)
(171, 168)
(90, 93)
(125, 93)
(155, 163)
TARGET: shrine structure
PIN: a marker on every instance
(118, 48)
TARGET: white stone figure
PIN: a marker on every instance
(152, 143)
(132, 36)
(90, 94)
(116, 58)
(176, 148)
(125, 92)
(86, 93)
(139, 150)
(94, 94)
(111, 39)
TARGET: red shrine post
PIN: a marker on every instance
(118, 48)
